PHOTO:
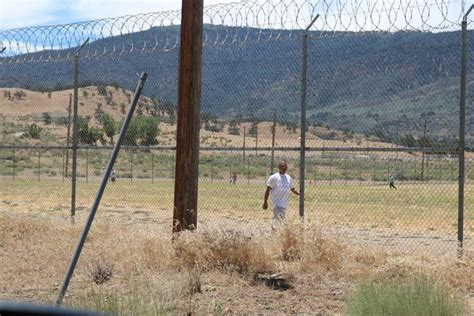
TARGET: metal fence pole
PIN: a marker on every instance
(100, 191)
(462, 131)
(304, 79)
(74, 129)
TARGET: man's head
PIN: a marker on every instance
(282, 167)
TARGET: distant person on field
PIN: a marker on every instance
(391, 181)
(279, 184)
(112, 175)
(234, 178)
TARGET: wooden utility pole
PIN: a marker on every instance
(68, 132)
(187, 135)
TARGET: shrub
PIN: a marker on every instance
(46, 118)
(34, 131)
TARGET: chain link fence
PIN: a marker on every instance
(382, 99)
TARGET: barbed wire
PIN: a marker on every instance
(232, 23)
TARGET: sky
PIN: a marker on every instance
(23, 13)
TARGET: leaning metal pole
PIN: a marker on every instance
(74, 130)
(100, 192)
(462, 131)
(303, 114)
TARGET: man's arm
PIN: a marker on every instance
(294, 191)
(265, 198)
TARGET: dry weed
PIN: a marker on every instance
(321, 253)
(224, 250)
(101, 272)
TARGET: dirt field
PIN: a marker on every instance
(217, 272)
(357, 232)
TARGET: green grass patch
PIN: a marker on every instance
(417, 297)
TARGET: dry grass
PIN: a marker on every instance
(223, 250)
(202, 272)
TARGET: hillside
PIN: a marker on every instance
(370, 83)
(16, 114)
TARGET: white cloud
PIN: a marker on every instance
(23, 13)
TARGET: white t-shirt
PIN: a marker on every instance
(281, 185)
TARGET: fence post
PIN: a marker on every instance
(304, 79)
(74, 129)
(462, 131)
(100, 192)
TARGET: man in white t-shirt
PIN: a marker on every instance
(279, 184)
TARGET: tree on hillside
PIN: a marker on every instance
(98, 112)
(102, 90)
(149, 130)
(233, 128)
(408, 140)
(88, 135)
(143, 130)
(19, 94)
(253, 130)
(425, 141)
(46, 118)
(108, 125)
